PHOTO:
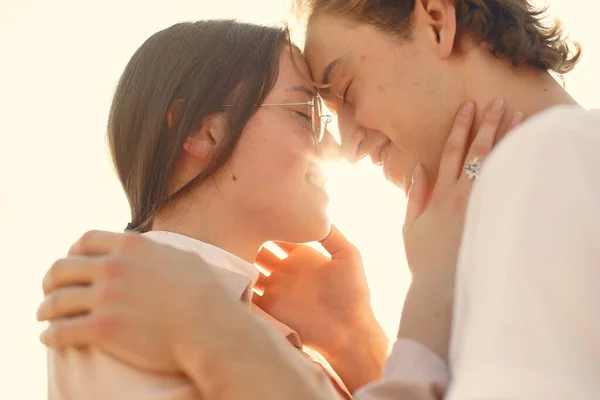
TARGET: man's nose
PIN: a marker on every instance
(352, 136)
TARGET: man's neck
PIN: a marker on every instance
(526, 90)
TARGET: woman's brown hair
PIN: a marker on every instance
(512, 29)
(202, 66)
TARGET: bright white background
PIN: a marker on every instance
(59, 62)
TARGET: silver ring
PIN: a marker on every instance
(473, 168)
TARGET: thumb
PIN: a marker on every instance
(417, 195)
(336, 244)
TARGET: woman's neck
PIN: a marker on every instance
(212, 224)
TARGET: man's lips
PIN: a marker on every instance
(379, 153)
(383, 152)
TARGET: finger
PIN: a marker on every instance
(69, 332)
(455, 148)
(100, 242)
(417, 195)
(72, 271)
(267, 260)
(261, 283)
(484, 140)
(287, 247)
(65, 302)
(336, 244)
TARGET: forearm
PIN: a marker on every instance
(427, 315)
(250, 362)
(361, 357)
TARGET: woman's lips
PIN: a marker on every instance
(316, 180)
(316, 177)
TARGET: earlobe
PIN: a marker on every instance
(199, 148)
(204, 141)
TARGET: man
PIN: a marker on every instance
(395, 73)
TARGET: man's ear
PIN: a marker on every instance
(439, 16)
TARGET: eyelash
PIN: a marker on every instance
(345, 95)
(305, 116)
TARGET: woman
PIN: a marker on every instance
(214, 132)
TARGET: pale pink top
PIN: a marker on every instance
(91, 374)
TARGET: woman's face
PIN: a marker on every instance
(273, 179)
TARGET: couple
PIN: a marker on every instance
(215, 132)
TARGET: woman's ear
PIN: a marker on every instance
(172, 113)
(203, 142)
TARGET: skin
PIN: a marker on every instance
(402, 100)
(405, 94)
(276, 154)
(112, 287)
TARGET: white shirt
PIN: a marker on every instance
(527, 306)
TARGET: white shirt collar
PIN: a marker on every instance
(211, 254)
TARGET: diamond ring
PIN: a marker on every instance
(472, 168)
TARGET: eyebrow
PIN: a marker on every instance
(301, 89)
(329, 70)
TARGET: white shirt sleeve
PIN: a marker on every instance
(527, 310)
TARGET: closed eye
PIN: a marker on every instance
(303, 115)
(345, 95)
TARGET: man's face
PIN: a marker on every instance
(395, 99)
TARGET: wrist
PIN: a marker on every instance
(211, 351)
(361, 352)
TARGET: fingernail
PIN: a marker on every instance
(498, 106)
(416, 172)
(468, 108)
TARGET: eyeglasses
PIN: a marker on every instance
(318, 120)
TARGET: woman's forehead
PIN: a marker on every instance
(294, 70)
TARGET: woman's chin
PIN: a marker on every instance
(311, 230)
